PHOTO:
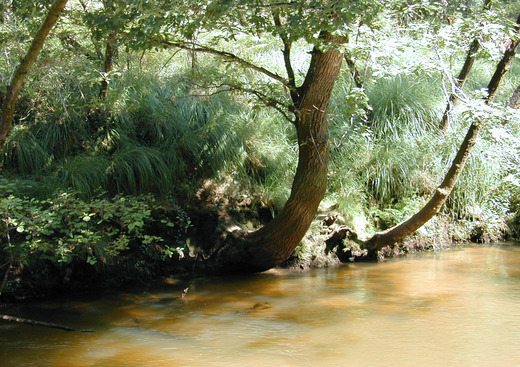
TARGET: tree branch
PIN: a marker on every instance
(463, 74)
(354, 71)
(286, 56)
(92, 39)
(41, 323)
(22, 70)
(69, 40)
(191, 46)
(268, 101)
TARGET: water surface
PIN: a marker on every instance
(458, 307)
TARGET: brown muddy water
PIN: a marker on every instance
(458, 307)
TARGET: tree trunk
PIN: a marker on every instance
(395, 234)
(273, 243)
(22, 70)
(463, 76)
(109, 60)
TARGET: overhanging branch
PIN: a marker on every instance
(268, 101)
(192, 46)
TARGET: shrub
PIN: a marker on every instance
(65, 235)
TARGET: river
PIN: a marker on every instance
(457, 307)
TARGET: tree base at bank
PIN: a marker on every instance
(328, 243)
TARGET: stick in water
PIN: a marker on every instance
(40, 323)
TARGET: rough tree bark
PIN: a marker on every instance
(398, 232)
(22, 69)
(272, 244)
(463, 75)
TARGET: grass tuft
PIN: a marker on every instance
(404, 105)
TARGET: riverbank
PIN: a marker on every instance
(148, 255)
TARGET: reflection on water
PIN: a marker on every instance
(457, 307)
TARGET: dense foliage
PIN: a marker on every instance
(91, 178)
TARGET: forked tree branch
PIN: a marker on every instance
(192, 46)
(269, 102)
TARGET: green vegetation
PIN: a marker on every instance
(186, 144)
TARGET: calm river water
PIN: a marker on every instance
(458, 307)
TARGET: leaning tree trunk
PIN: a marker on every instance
(22, 70)
(395, 234)
(272, 244)
(463, 75)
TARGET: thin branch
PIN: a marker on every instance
(463, 74)
(92, 38)
(455, 89)
(276, 5)
(169, 59)
(286, 55)
(191, 46)
(354, 71)
(69, 40)
(268, 101)
(41, 323)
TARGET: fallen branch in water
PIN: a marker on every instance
(41, 323)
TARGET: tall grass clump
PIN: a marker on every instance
(381, 172)
(63, 137)
(23, 152)
(196, 134)
(222, 131)
(347, 191)
(382, 143)
(270, 156)
(138, 169)
(85, 174)
(404, 105)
